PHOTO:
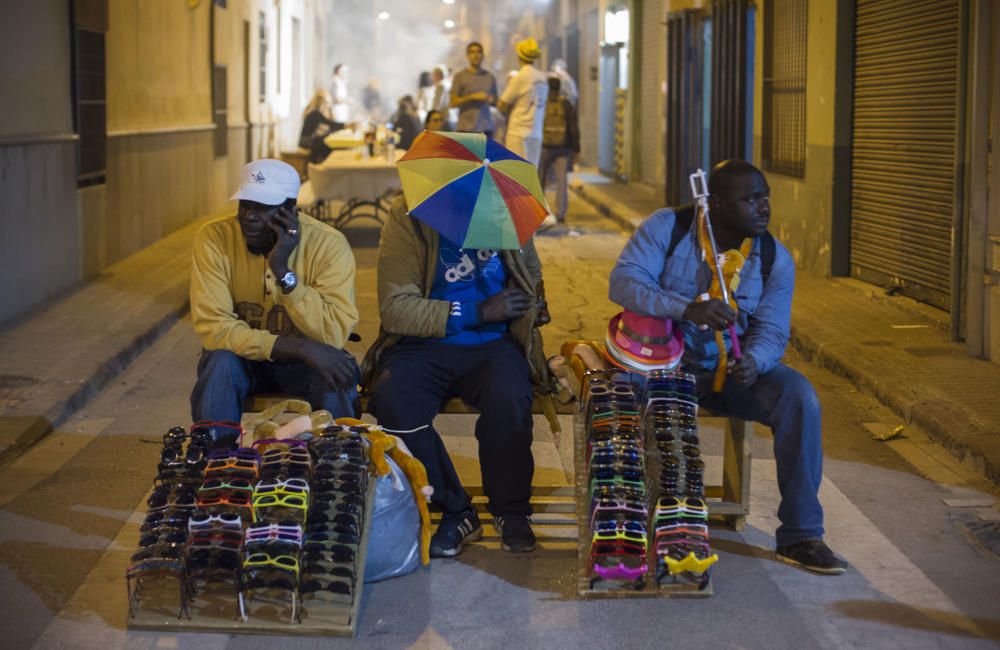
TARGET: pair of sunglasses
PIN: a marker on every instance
(320, 552)
(337, 486)
(335, 512)
(318, 585)
(616, 548)
(240, 453)
(258, 533)
(262, 580)
(178, 477)
(281, 486)
(237, 498)
(164, 551)
(175, 456)
(619, 571)
(165, 536)
(169, 518)
(332, 569)
(245, 467)
(281, 562)
(348, 526)
(275, 499)
(167, 497)
(226, 483)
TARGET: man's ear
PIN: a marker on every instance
(714, 203)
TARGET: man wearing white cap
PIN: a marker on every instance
(272, 299)
(523, 100)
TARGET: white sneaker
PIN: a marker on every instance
(548, 223)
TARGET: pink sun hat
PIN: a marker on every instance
(644, 343)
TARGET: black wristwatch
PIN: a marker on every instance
(288, 281)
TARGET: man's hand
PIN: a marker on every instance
(744, 370)
(543, 317)
(710, 313)
(507, 305)
(480, 96)
(285, 225)
(336, 367)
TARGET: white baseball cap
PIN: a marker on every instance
(268, 181)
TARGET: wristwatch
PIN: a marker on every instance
(288, 281)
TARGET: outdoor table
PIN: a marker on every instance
(366, 186)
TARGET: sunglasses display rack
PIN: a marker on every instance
(642, 523)
(265, 539)
(680, 515)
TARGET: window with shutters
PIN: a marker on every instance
(783, 148)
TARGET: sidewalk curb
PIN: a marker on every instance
(30, 429)
(152, 281)
(954, 428)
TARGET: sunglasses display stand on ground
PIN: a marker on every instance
(265, 539)
(641, 513)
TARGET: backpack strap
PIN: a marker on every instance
(768, 250)
(683, 216)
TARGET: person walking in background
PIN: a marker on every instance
(560, 143)
(317, 122)
(523, 101)
(340, 93)
(442, 90)
(371, 100)
(405, 122)
(568, 85)
(473, 91)
(425, 95)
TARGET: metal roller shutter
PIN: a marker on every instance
(653, 122)
(906, 135)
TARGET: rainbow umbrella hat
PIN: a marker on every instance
(473, 191)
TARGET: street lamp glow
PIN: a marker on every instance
(448, 2)
(383, 15)
(449, 23)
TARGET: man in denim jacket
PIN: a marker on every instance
(758, 387)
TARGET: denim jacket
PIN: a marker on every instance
(646, 281)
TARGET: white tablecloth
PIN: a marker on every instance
(343, 177)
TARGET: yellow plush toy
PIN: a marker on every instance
(383, 443)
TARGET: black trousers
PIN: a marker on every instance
(419, 375)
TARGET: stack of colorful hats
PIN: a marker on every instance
(643, 344)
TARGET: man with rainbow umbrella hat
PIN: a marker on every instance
(461, 296)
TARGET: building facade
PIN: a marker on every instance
(872, 119)
(128, 120)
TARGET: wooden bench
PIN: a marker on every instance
(729, 501)
(734, 493)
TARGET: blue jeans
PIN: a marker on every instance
(784, 400)
(225, 380)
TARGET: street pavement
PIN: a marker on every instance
(70, 507)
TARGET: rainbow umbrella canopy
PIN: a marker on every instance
(473, 191)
